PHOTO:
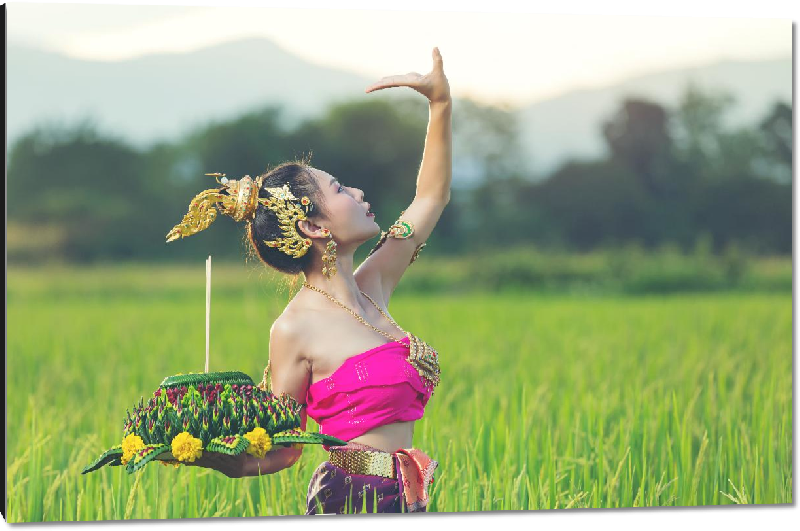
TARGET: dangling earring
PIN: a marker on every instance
(329, 258)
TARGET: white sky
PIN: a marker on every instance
(513, 57)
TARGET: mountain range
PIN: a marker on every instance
(162, 96)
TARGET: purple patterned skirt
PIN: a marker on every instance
(332, 490)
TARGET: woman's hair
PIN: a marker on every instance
(265, 224)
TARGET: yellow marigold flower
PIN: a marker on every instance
(130, 445)
(260, 443)
(186, 448)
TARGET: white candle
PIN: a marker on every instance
(208, 303)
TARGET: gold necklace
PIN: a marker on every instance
(422, 356)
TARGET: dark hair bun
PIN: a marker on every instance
(265, 224)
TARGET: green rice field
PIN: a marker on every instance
(547, 400)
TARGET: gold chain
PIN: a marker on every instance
(422, 356)
(306, 284)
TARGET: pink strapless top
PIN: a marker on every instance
(370, 389)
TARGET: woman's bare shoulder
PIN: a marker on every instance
(291, 369)
(292, 326)
(286, 332)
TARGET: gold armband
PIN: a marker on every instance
(400, 229)
(416, 252)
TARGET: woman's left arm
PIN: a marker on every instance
(436, 171)
(393, 257)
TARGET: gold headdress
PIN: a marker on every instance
(240, 203)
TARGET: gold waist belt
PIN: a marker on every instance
(364, 462)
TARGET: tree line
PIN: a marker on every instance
(669, 176)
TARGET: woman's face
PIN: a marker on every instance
(347, 209)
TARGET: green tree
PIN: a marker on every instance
(88, 185)
(776, 128)
(489, 174)
(597, 202)
(697, 128)
(638, 138)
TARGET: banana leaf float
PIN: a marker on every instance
(219, 412)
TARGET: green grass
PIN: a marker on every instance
(546, 401)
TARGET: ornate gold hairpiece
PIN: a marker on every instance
(240, 203)
(289, 213)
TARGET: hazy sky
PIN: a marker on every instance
(497, 57)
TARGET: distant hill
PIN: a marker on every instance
(162, 96)
(570, 123)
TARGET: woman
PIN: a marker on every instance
(329, 349)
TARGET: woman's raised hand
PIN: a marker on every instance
(432, 85)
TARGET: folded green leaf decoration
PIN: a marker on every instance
(220, 412)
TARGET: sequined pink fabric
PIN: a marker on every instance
(370, 389)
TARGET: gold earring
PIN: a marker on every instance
(329, 258)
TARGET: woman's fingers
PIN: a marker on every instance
(388, 81)
(226, 464)
(432, 85)
(438, 62)
(405, 80)
(203, 461)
